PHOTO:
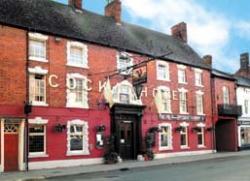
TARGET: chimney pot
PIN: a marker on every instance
(179, 31)
(244, 61)
(113, 9)
(75, 3)
(208, 60)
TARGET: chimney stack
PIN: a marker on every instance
(113, 9)
(244, 61)
(75, 3)
(179, 31)
(208, 60)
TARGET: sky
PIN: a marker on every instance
(220, 28)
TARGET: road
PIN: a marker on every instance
(226, 169)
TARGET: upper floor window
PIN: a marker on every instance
(246, 106)
(77, 54)
(77, 137)
(77, 93)
(199, 102)
(183, 101)
(162, 70)
(165, 136)
(163, 99)
(225, 91)
(198, 77)
(37, 86)
(123, 92)
(182, 74)
(123, 62)
(37, 47)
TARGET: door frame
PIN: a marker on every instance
(128, 112)
(21, 122)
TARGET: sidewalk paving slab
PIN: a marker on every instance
(59, 172)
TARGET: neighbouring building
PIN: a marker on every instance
(243, 99)
(65, 87)
(225, 111)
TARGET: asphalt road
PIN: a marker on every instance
(226, 169)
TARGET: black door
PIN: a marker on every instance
(126, 140)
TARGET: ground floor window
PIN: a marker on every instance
(37, 135)
(184, 137)
(77, 138)
(165, 136)
(200, 136)
(245, 135)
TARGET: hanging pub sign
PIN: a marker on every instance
(139, 77)
(180, 117)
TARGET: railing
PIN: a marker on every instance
(229, 110)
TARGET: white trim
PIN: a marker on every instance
(2, 145)
(198, 70)
(184, 124)
(38, 120)
(84, 48)
(85, 134)
(199, 92)
(38, 36)
(38, 70)
(180, 66)
(170, 137)
(64, 163)
(38, 59)
(183, 153)
(160, 62)
(21, 163)
(201, 125)
(182, 89)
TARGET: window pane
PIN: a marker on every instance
(37, 49)
(164, 136)
(36, 129)
(76, 55)
(200, 139)
(183, 140)
(76, 142)
(36, 143)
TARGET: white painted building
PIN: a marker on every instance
(243, 99)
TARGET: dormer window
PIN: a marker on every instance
(123, 62)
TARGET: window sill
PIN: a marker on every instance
(40, 155)
(77, 153)
(39, 104)
(199, 85)
(186, 113)
(185, 147)
(167, 80)
(77, 106)
(78, 65)
(165, 148)
(201, 146)
(38, 59)
(185, 83)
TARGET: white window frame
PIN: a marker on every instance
(201, 94)
(184, 92)
(32, 73)
(119, 64)
(182, 68)
(166, 77)
(41, 122)
(185, 126)
(198, 77)
(170, 137)
(246, 106)
(226, 95)
(41, 38)
(71, 102)
(85, 134)
(116, 91)
(84, 48)
(161, 101)
(202, 127)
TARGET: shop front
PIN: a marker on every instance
(244, 133)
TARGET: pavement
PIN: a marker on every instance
(90, 169)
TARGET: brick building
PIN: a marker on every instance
(225, 111)
(71, 66)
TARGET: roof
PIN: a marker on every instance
(49, 17)
(242, 81)
(218, 73)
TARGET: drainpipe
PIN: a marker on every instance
(26, 136)
(212, 102)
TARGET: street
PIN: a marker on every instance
(222, 169)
